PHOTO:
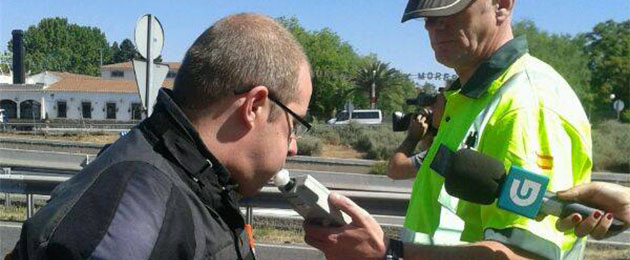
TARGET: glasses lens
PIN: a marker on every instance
(299, 130)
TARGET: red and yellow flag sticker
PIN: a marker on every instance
(545, 162)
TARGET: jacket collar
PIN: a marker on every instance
(490, 69)
(169, 124)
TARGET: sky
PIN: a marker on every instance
(370, 26)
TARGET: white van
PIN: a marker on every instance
(359, 116)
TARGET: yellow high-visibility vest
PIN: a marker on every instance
(519, 110)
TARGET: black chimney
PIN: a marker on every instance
(19, 75)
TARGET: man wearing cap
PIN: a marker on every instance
(507, 105)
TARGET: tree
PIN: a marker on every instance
(428, 88)
(373, 77)
(6, 59)
(56, 45)
(333, 63)
(337, 74)
(564, 53)
(125, 52)
(608, 47)
(392, 87)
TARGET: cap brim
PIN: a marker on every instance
(427, 8)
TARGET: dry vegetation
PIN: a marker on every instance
(99, 138)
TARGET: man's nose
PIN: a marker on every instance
(292, 147)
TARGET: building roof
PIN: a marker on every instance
(81, 83)
(127, 65)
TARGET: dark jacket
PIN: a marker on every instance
(157, 193)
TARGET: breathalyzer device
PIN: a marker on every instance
(309, 198)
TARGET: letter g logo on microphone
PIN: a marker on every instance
(523, 192)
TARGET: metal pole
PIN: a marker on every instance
(147, 99)
(29, 209)
(373, 96)
(618, 113)
(7, 196)
(249, 215)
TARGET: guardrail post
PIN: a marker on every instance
(7, 196)
(249, 215)
(30, 206)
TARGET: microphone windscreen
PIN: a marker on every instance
(474, 177)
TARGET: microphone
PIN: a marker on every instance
(481, 179)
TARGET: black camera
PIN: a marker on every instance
(424, 103)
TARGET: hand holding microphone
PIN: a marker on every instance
(612, 198)
(480, 179)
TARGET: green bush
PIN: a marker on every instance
(625, 116)
(376, 142)
(363, 142)
(327, 134)
(349, 133)
(379, 168)
(611, 147)
(309, 145)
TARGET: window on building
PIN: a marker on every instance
(110, 109)
(117, 74)
(86, 109)
(30, 109)
(62, 109)
(136, 111)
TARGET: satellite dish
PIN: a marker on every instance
(142, 34)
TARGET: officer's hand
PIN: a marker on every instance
(361, 239)
(417, 127)
(613, 199)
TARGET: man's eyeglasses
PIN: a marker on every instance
(298, 130)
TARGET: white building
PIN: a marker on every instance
(62, 96)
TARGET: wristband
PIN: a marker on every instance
(394, 250)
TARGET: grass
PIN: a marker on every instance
(12, 213)
(86, 137)
(611, 147)
(371, 142)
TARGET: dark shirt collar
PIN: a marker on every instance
(490, 69)
(170, 125)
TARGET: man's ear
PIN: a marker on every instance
(254, 106)
(504, 10)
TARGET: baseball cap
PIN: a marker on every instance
(431, 8)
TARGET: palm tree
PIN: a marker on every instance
(373, 77)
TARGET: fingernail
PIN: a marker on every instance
(597, 214)
(575, 219)
(609, 216)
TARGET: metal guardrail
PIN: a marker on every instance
(611, 177)
(95, 146)
(45, 160)
(377, 203)
(73, 161)
(383, 203)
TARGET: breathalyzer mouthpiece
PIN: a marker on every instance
(282, 178)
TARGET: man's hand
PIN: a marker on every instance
(613, 199)
(417, 127)
(361, 239)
